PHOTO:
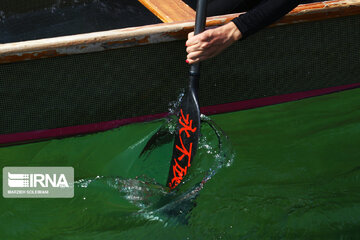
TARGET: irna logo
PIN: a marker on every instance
(16, 180)
(38, 182)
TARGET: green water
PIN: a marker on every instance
(288, 171)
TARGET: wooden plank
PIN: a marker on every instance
(170, 10)
(320, 11)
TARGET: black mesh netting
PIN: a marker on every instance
(136, 81)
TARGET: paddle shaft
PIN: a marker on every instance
(200, 22)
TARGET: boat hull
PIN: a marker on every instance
(99, 88)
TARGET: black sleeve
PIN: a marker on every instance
(262, 15)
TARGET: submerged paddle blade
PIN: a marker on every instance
(186, 136)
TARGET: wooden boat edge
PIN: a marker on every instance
(157, 33)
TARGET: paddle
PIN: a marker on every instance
(188, 126)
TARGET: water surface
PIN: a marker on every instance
(288, 171)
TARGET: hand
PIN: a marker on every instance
(211, 42)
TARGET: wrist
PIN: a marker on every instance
(233, 31)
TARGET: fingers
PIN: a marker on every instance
(195, 52)
(190, 40)
(190, 35)
(199, 47)
(194, 57)
(210, 42)
(200, 38)
(198, 56)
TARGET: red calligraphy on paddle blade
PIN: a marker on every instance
(179, 174)
(187, 125)
(178, 171)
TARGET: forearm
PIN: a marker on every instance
(213, 41)
(264, 14)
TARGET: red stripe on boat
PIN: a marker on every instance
(73, 130)
(209, 110)
(261, 102)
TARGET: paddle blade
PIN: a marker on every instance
(186, 138)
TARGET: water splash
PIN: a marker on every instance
(153, 200)
(174, 105)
